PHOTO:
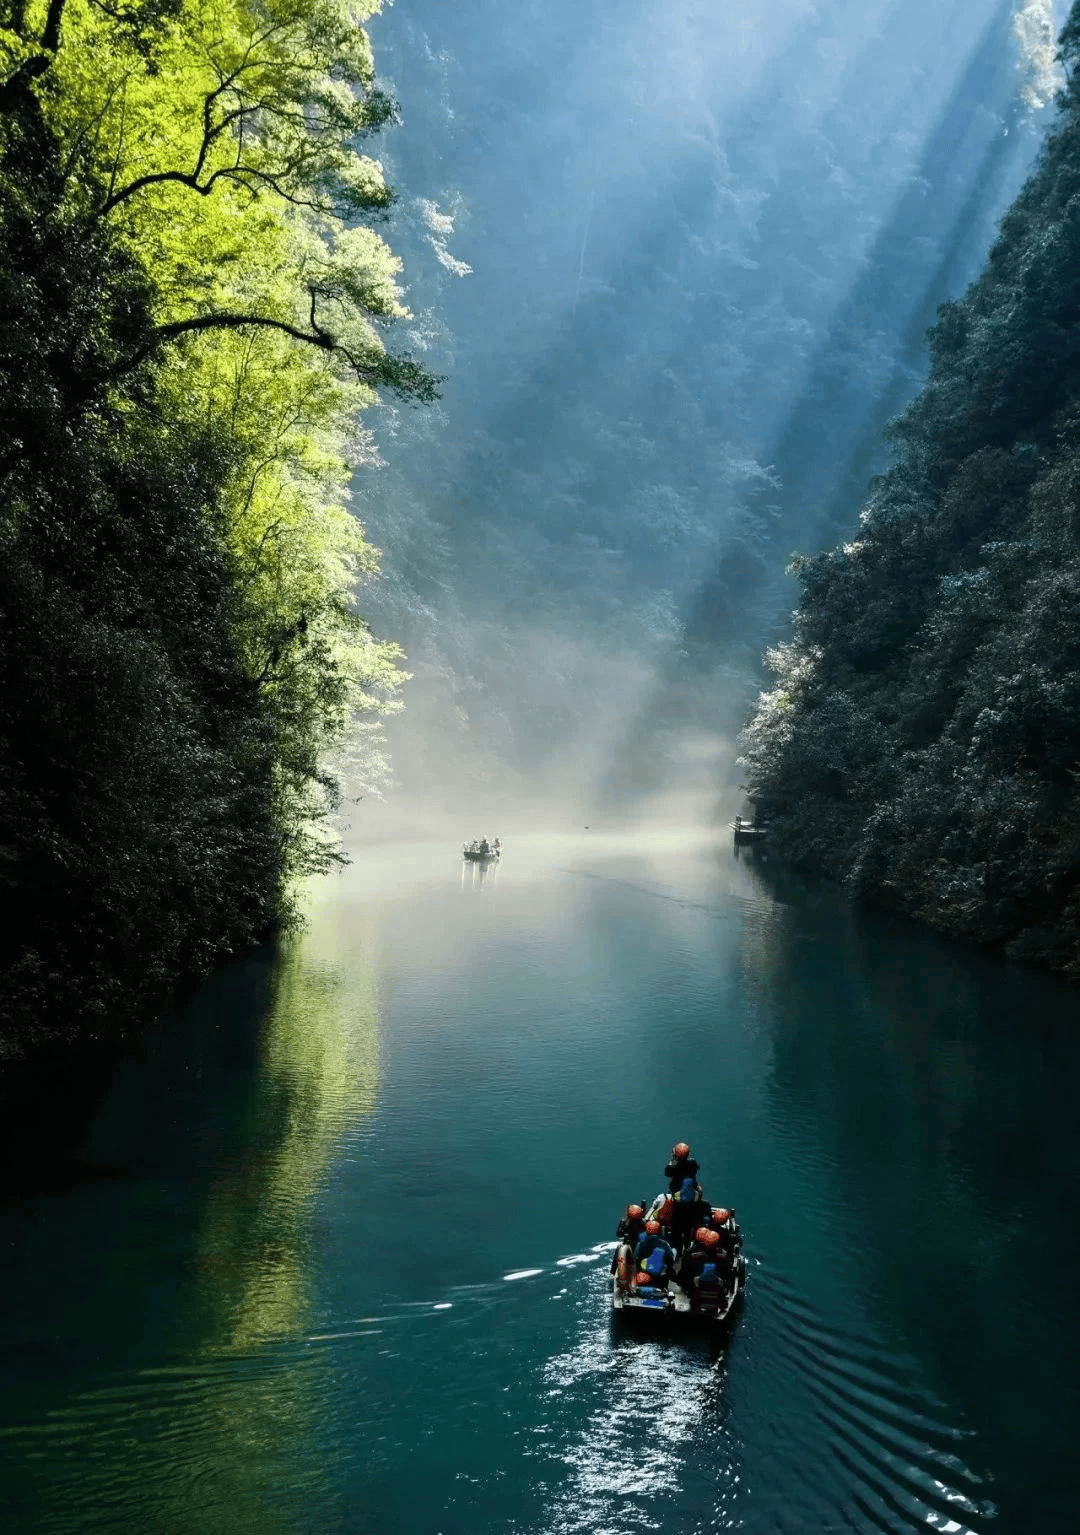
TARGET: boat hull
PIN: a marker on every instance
(647, 1303)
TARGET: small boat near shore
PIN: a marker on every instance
(747, 831)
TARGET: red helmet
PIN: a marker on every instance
(680, 1152)
(666, 1211)
(643, 1278)
(706, 1237)
(720, 1215)
(652, 1227)
(635, 1212)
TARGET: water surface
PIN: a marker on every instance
(338, 1261)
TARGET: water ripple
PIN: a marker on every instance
(609, 1430)
(886, 1438)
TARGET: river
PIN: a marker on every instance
(334, 1256)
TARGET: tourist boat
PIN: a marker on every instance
(474, 852)
(710, 1302)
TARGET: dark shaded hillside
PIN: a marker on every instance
(136, 808)
(179, 643)
(923, 739)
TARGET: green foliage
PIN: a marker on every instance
(924, 740)
(191, 320)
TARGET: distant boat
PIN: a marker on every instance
(482, 851)
(746, 831)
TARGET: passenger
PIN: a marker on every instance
(654, 1260)
(629, 1230)
(691, 1210)
(663, 1210)
(682, 1165)
(484, 845)
(704, 1264)
(722, 1221)
(632, 1224)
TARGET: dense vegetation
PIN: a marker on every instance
(192, 301)
(923, 738)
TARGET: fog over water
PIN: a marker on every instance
(676, 263)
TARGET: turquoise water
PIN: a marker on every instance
(337, 1258)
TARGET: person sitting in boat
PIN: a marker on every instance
(654, 1258)
(691, 1210)
(681, 1166)
(663, 1210)
(632, 1224)
(484, 845)
(704, 1264)
(629, 1229)
(723, 1222)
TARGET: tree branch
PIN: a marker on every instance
(406, 378)
(13, 90)
(221, 321)
(50, 38)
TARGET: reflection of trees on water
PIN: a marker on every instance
(208, 1422)
(317, 1078)
(925, 1094)
(255, 1257)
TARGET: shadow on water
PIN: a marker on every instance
(178, 1297)
(932, 1092)
(52, 1101)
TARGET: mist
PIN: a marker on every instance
(676, 266)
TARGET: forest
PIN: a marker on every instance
(583, 545)
(671, 348)
(194, 310)
(922, 739)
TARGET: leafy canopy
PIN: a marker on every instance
(223, 145)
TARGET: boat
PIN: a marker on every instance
(482, 851)
(711, 1302)
(747, 831)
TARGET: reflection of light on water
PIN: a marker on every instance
(655, 1399)
(254, 1260)
(224, 1440)
(319, 1077)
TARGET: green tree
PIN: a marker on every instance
(194, 316)
(923, 743)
